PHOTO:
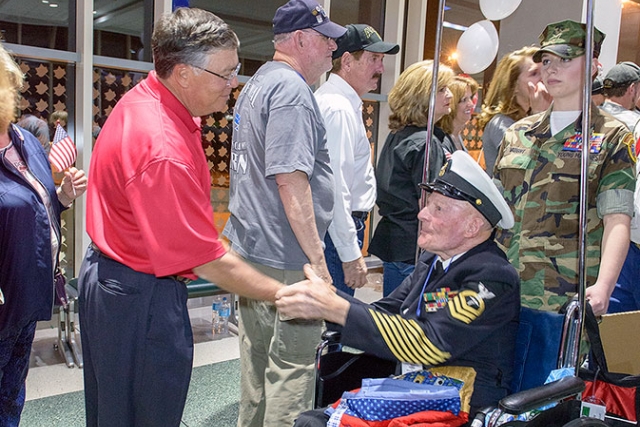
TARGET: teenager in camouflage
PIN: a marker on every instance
(539, 168)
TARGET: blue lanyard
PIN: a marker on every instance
(424, 287)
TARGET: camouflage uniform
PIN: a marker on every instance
(540, 174)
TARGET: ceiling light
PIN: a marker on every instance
(454, 26)
(53, 4)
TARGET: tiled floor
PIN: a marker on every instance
(49, 375)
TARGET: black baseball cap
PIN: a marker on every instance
(363, 37)
(622, 74)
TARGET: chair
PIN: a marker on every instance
(337, 371)
(68, 340)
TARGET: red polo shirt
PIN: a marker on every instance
(148, 200)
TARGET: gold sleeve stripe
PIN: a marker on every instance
(412, 333)
(460, 309)
(403, 340)
(407, 341)
(630, 143)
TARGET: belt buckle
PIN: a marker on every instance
(182, 279)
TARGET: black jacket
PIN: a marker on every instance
(398, 174)
(475, 328)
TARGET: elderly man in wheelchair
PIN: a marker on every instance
(460, 307)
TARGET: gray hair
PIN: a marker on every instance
(282, 37)
(187, 36)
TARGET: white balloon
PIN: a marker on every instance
(496, 10)
(477, 47)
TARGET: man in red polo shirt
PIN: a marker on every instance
(151, 222)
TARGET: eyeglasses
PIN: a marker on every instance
(316, 33)
(449, 190)
(228, 78)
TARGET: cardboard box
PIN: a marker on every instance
(620, 334)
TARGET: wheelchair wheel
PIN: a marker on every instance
(586, 422)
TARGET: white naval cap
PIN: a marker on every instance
(462, 178)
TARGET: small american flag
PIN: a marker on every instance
(63, 151)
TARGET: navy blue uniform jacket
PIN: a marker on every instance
(476, 328)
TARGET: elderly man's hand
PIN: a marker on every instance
(311, 299)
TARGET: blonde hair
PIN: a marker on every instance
(501, 97)
(458, 88)
(409, 97)
(11, 79)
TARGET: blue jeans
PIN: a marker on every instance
(333, 260)
(14, 365)
(393, 274)
(626, 294)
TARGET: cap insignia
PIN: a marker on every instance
(368, 32)
(443, 169)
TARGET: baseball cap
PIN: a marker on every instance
(566, 39)
(363, 37)
(461, 178)
(596, 86)
(302, 14)
(622, 74)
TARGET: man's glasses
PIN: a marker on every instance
(448, 190)
(317, 34)
(228, 78)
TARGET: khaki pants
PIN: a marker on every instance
(276, 360)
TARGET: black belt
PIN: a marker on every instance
(182, 279)
(361, 215)
(97, 250)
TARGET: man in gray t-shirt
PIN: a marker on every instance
(281, 202)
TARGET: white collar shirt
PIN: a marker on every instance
(350, 153)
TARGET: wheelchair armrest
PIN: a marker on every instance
(331, 336)
(527, 400)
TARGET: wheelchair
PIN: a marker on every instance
(339, 369)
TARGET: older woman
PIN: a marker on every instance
(464, 90)
(401, 165)
(30, 206)
(516, 91)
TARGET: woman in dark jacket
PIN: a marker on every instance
(30, 206)
(401, 165)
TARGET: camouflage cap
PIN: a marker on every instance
(566, 39)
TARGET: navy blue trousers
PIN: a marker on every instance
(137, 345)
(14, 365)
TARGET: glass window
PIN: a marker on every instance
(39, 23)
(119, 29)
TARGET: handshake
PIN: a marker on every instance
(311, 299)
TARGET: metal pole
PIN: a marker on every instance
(431, 112)
(586, 145)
